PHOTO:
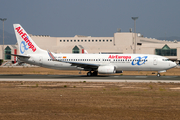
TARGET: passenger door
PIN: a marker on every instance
(155, 61)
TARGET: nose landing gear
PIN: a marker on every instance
(158, 74)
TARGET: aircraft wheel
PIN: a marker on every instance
(89, 74)
(158, 74)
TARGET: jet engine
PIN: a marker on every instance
(106, 69)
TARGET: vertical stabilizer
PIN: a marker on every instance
(25, 43)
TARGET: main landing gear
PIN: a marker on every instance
(92, 73)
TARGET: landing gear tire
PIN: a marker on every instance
(89, 74)
(92, 73)
(158, 74)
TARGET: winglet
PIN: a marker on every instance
(51, 56)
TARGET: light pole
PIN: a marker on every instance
(3, 19)
(134, 18)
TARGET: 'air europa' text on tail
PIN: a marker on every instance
(25, 37)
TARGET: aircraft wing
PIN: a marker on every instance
(23, 56)
(83, 65)
(78, 64)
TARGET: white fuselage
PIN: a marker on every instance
(122, 62)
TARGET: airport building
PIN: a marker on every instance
(120, 43)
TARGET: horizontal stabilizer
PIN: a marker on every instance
(23, 56)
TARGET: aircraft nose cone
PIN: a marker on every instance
(173, 64)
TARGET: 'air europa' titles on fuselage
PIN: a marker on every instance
(25, 38)
(118, 57)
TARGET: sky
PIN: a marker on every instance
(96, 18)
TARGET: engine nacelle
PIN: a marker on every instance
(106, 69)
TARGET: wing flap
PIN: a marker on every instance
(83, 65)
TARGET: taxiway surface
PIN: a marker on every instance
(81, 78)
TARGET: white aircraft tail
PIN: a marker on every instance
(25, 43)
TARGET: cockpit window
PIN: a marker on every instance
(166, 59)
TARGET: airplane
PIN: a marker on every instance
(93, 63)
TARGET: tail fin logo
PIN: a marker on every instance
(23, 47)
(25, 37)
